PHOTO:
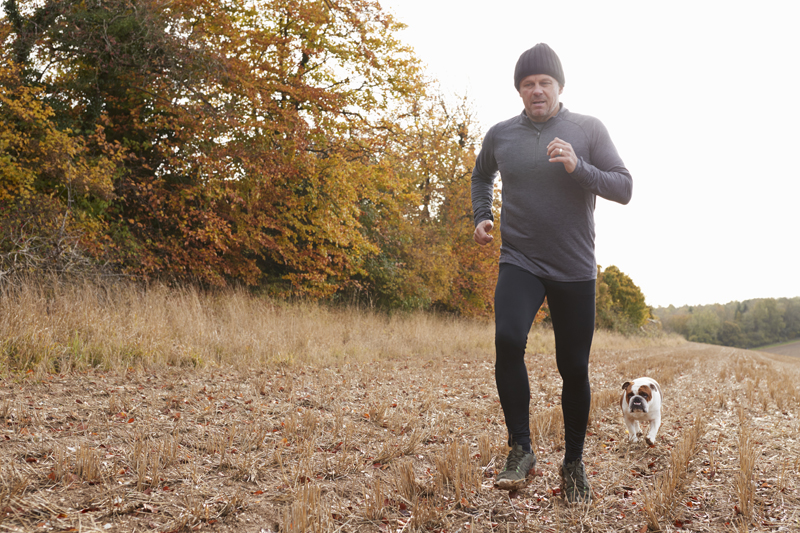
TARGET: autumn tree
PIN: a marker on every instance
(254, 132)
(620, 304)
(290, 143)
(427, 256)
(44, 171)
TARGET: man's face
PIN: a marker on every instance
(539, 93)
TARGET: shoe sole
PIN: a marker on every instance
(511, 484)
(508, 484)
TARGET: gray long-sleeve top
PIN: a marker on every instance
(547, 214)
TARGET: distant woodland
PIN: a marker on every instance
(296, 147)
(747, 324)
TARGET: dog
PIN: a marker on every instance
(641, 402)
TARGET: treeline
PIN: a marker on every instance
(620, 304)
(747, 324)
(294, 146)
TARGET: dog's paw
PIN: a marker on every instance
(649, 441)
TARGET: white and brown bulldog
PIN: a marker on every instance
(641, 402)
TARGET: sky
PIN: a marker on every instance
(702, 101)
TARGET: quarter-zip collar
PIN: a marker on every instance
(541, 126)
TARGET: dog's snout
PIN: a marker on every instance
(638, 404)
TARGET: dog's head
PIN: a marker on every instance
(637, 394)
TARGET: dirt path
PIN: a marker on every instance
(395, 446)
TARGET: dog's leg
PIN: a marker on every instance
(655, 423)
(633, 429)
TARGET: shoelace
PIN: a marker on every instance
(514, 459)
(577, 477)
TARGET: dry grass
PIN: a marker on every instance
(51, 327)
(661, 499)
(745, 476)
(159, 410)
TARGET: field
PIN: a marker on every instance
(791, 349)
(157, 410)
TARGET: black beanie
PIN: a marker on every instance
(538, 60)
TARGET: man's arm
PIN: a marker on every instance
(483, 176)
(605, 175)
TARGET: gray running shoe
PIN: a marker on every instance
(574, 483)
(515, 472)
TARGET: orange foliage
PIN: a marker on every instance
(287, 142)
(32, 147)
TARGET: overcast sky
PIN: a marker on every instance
(702, 102)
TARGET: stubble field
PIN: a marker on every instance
(165, 411)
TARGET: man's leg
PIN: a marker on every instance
(518, 296)
(572, 309)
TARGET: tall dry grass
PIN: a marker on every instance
(73, 326)
(51, 326)
(745, 476)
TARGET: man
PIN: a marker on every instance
(553, 164)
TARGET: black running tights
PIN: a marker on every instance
(518, 296)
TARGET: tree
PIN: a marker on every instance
(791, 318)
(703, 326)
(764, 323)
(745, 324)
(35, 154)
(428, 257)
(255, 132)
(45, 171)
(620, 304)
(730, 334)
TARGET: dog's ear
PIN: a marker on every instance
(654, 386)
(626, 385)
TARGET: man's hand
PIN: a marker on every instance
(481, 234)
(561, 152)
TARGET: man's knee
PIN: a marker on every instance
(576, 379)
(508, 341)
